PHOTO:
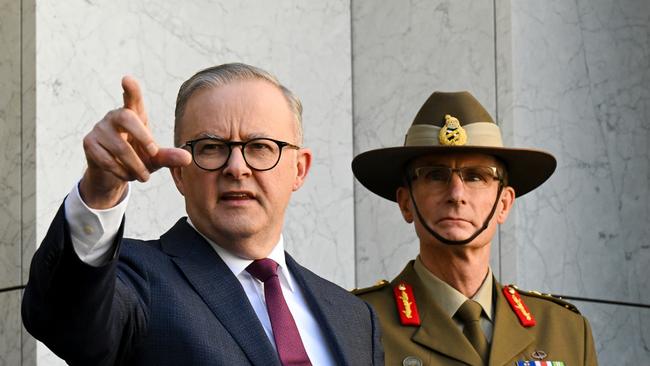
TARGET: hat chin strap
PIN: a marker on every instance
(440, 237)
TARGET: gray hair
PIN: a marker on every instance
(221, 75)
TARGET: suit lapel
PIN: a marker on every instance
(325, 311)
(220, 290)
(437, 330)
(509, 338)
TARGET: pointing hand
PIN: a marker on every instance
(120, 148)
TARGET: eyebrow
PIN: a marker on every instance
(249, 136)
(205, 134)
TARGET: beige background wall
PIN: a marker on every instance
(571, 78)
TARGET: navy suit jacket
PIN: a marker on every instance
(172, 301)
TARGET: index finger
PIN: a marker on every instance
(132, 97)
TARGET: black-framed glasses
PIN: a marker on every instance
(473, 177)
(212, 153)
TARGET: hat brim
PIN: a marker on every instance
(382, 170)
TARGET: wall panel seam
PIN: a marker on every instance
(354, 190)
(496, 106)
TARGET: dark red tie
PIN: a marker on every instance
(287, 339)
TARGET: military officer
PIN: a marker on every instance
(455, 181)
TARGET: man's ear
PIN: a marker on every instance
(177, 175)
(507, 200)
(404, 202)
(303, 163)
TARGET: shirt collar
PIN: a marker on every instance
(237, 265)
(450, 299)
(484, 294)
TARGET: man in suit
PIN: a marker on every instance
(217, 288)
(455, 181)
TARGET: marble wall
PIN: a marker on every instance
(13, 188)
(572, 78)
(10, 329)
(10, 139)
(583, 92)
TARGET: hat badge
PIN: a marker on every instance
(452, 134)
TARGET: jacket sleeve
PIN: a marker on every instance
(377, 348)
(82, 313)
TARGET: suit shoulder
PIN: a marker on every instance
(140, 248)
(550, 299)
(367, 290)
(139, 244)
(321, 287)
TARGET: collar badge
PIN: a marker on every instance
(406, 307)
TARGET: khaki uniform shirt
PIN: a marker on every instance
(450, 300)
(560, 334)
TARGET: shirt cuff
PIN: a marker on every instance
(93, 231)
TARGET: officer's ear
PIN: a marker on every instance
(404, 202)
(506, 201)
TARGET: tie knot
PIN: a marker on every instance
(263, 269)
(470, 311)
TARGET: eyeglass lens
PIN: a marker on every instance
(259, 154)
(473, 177)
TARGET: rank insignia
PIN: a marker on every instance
(406, 306)
(521, 310)
(539, 363)
(452, 134)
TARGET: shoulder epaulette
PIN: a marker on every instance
(379, 285)
(555, 299)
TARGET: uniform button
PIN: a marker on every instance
(88, 230)
(412, 361)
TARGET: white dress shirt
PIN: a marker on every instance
(93, 232)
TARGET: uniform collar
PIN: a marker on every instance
(237, 265)
(450, 299)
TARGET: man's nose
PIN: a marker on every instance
(456, 187)
(236, 165)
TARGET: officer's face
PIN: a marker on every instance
(457, 209)
(237, 203)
